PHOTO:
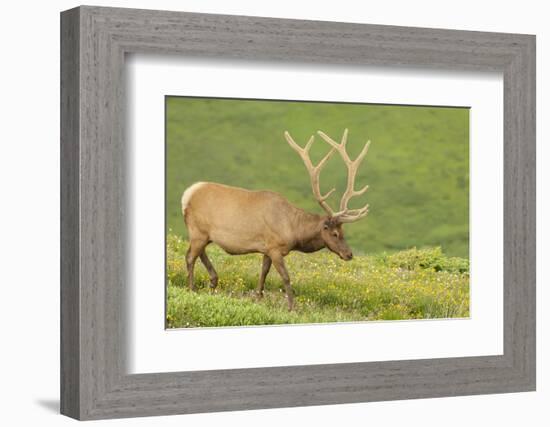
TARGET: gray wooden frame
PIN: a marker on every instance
(94, 41)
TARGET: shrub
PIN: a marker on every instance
(427, 258)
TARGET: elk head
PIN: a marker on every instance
(331, 231)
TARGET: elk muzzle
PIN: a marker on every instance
(346, 256)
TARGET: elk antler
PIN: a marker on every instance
(345, 214)
(314, 171)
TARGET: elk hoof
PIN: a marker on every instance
(259, 294)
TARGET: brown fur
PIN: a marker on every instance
(242, 221)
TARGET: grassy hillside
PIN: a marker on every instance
(412, 284)
(417, 166)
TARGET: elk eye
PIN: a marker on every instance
(325, 227)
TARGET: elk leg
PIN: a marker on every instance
(279, 263)
(195, 248)
(210, 268)
(266, 265)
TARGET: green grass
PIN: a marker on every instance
(412, 284)
(416, 168)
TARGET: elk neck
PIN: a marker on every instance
(308, 232)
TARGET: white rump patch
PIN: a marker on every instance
(188, 193)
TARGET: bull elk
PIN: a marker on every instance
(242, 221)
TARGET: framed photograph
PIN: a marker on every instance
(261, 213)
(394, 285)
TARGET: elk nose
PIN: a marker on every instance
(347, 256)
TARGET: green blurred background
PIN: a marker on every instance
(417, 167)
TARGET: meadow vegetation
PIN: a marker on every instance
(412, 284)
